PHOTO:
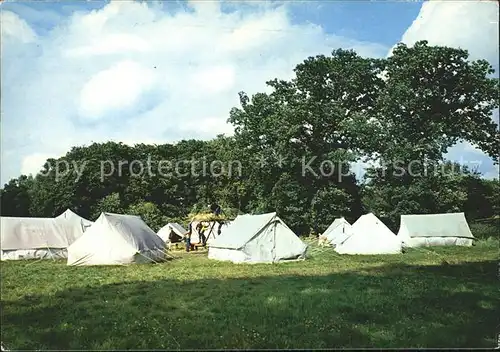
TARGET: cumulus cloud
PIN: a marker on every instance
(137, 72)
(14, 28)
(471, 25)
(33, 163)
(114, 89)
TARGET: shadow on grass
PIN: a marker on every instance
(393, 306)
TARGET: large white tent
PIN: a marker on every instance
(261, 238)
(424, 230)
(116, 239)
(337, 232)
(369, 235)
(36, 238)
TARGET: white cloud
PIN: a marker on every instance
(114, 89)
(471, 25)
(110, 44)
(15, 28)
(215, 80)
(32, 164)
(134, 73)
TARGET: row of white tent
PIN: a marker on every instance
(123, 239)
(115, 239)
(369, 235)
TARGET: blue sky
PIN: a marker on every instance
(80, 72)
(381, 22)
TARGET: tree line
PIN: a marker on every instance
(293, 150)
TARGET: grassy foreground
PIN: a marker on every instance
(444, 297)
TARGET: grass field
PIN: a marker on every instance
(444, 297)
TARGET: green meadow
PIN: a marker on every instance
(424, 298)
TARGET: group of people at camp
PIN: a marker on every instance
(201, 228)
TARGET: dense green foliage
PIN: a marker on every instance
(293, 150)
(444, 297)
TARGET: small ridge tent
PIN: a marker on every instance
(261, 238)
(116, 239)
(337, 232)
(36, 238)
(165, 231)
(369, 236)
(425, 230)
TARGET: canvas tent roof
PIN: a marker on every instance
(115, 239)
(36, 233)
(243, 229)
(338, 231)
(435, 225)
(177, 228)
(72, 216)
(164, 232)
(333, 225)
(370, 236)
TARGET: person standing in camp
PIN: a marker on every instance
(200, 228)
(187, 239)
(215, 209)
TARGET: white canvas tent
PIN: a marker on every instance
(164, 232)
(40, 238)
(337, 232)
(369, 235)
(36, 238)
(116, 239)
(425, 230)
(257, 239)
